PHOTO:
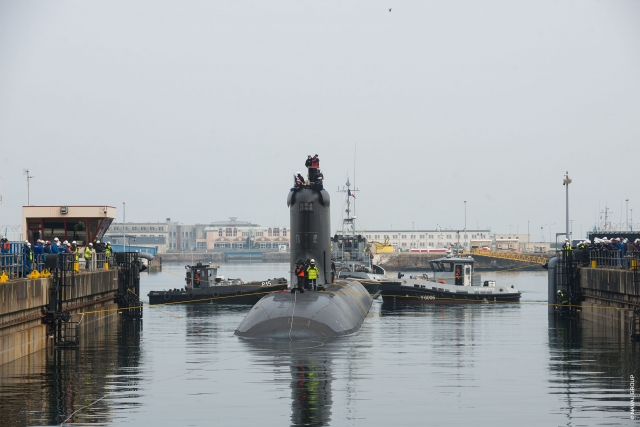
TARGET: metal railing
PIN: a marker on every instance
(15, 263)
(614, 258)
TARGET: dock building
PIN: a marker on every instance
(405, 240)
(171, 236)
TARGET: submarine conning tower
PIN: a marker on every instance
(310, 230)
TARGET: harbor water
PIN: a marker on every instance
(465, 364)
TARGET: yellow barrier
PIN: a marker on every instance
(45, 273)
(594, 263)
(4, 277)
(533, 259)
(76, 267)
(106, 265)
(34, 275)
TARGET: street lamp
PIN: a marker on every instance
(465, 224)
(566, 181)
(26, 172)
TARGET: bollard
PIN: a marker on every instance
(45, 274)
(593, 263)
(106, 265)
(634, 263)
(76, 267)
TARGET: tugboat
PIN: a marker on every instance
(204, 285)
(352, 255)
(453, 281)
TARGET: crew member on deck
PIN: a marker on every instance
(307, 164)
(300, 279)
(313, 170)
(312, 275)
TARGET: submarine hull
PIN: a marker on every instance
(337, 311)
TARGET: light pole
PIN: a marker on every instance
(566, 181)
(124, 220)
(26, 172)
(510, 228)
(627, 212)
(465, 224)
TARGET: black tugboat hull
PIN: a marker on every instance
(225, 294)
(397, 294)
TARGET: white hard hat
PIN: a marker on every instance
(97, 241)
(65, 242)
(90, 244)
(56, 239)
(108, 243)
(26, 241)
(73, 243)
(298, 173)
(28, 244)
(312, 260)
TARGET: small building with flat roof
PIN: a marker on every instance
(83, 224)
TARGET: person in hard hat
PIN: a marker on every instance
(108, 251)
(562, 301)
(73, 248)
(27, 259)
(567, 250)
(5, 250)
(312, 275)
(300, 277)
(88, 255)
(54, 246)
(38, 254)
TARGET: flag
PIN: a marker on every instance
(350, 194)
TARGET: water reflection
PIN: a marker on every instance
(591, 366)
(310, 376)
(49, 386)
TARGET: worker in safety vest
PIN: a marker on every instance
(563, 302)
(74, 250)
(312, 275)
(88, 254)
(107, 250)
(567, 249)
(300, 279)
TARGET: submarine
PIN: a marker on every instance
(336, 308)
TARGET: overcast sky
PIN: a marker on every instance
(201, 110)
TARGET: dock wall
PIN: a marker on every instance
(610, 296)
(23, 302)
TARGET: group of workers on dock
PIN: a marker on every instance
(606, 252)
(314, 175)
(36, 256)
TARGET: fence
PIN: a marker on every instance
(15, 263)
(614, 258)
